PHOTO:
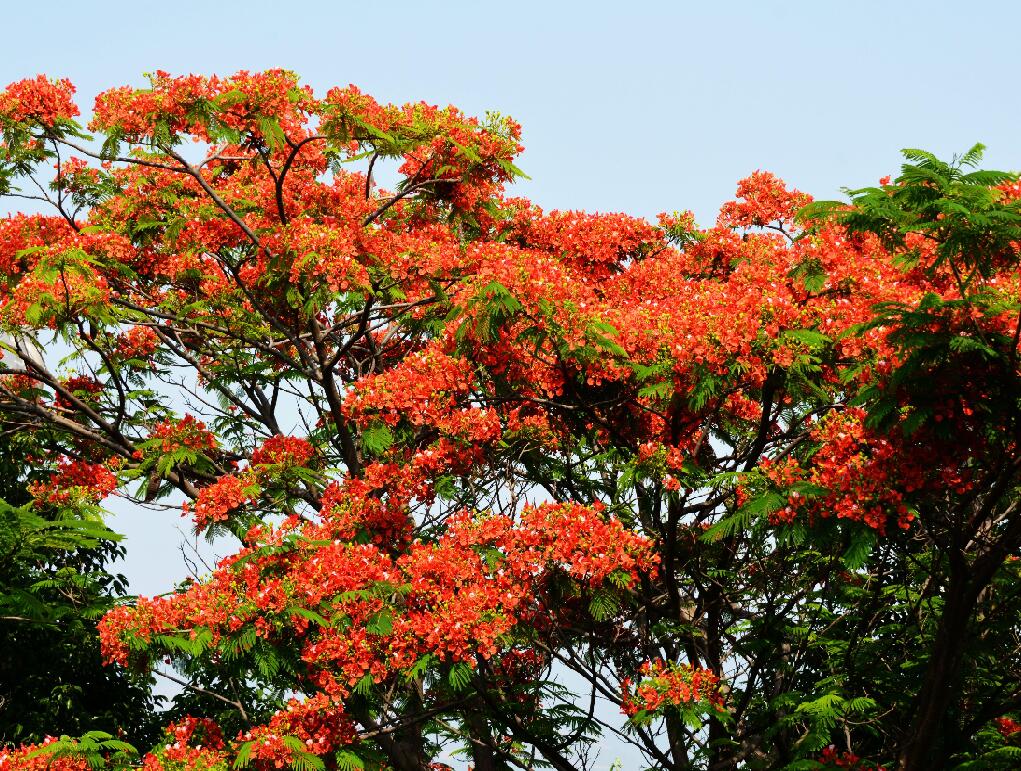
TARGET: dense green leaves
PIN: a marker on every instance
(54, 586)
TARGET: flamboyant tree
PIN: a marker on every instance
(753, 485)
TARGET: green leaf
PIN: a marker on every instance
(311, 615)
(808, 337)
(421, 666)
(727, 527)
(862, 542)
(380, 623)
(460, 676)
(964, 344)
(364, 686)
(1001, 758)
(377, 438)
(348, 761)
(244, 755)
(809, 490)
(272, 132)
(662, 390)
(603, 605)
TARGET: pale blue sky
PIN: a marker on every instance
(639, 107)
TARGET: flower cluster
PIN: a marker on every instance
(1009, 728)
(663, 685)
(763, 200)
(599, 244)
(314, 726)
(239, 101)
(75, 481)
(216, 501)
(139, 342)
(284, 452)
(463, 594)
(77, 177)
(454, 341)
(865, 475)
(833, 758)
(424, 387)
(23, 237)
(38, 301)
(24, 758)
(328, 252)
(81, 387)
(39, 99)
(188, 432)
(191, 744)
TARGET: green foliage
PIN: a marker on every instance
(961, 211)
(740, 520)
(98, 749)
(487, 311)
(377, 439)
(54, 585)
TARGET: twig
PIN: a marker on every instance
(200, 689)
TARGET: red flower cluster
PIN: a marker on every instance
(76, 176)
(139, 342)
(423, 388)
(317, 724)
(865, 475)
(75, 481)
(833, 758)
(187, 432)
(218, 500)
(82, 387)
(284, 451)
(764, 200)
(72, 294)
(24, 236)
(665, 685)
(599, 244)
(17, 759)
(39, 99)
(1009, 728)
(192, 744)
(242, 99)
(464, 593)
(329, 251)
(453, 340)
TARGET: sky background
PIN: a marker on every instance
(638, 107)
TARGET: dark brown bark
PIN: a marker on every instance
(482, 750)
(937, 692)
(403, 748)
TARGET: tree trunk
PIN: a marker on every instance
(478, 730)
(937, 694)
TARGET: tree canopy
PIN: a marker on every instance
(752, 485)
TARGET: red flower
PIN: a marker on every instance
(663, 685)
(75, 480)
(285, 451)
(40, 99)
(218, 500)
